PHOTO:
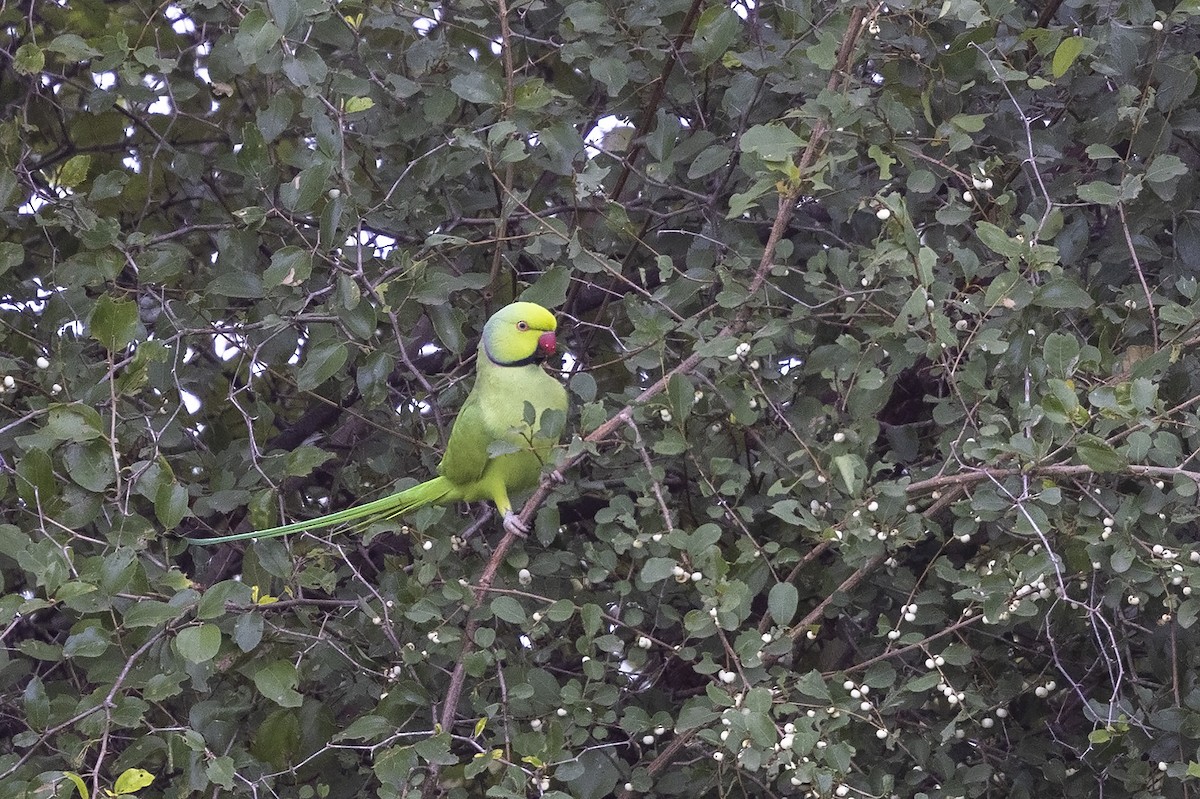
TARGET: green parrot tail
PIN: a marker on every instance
(437, 490)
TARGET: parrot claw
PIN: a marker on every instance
(514, 526)
(557, 476)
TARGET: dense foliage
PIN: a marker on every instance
(879, 326)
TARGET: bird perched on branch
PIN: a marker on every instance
(501, 440)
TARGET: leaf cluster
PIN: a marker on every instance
(879, 326)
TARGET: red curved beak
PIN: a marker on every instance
(547, 343)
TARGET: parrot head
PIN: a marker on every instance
(519, 334)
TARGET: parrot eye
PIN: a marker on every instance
(522, 326)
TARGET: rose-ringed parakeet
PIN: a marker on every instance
(500, 441)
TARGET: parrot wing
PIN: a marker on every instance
(466, 453)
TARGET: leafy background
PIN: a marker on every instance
(879, 325)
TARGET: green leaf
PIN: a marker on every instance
(1177, 81)
(243, 285)
(270, 122)
(612, 72)
(301, 193)
(782, 601)
(256, 36)
(248, 631)
(436, 750)
(90, 642)
(508, 609)
(78, 782)
(277, 681)
(75, 422)
(851, 472)
(323, 361)
(213, 603)
(170, 504)
(969, 123)
(716, 30)
(1065, 54)
(1165, 167)
(13, 540)
(661, 140)
(1163, 173)
(550, 290)
(74, 171)
(366, 728)
(1143, 393)
(290, 266)
(532, 94)
(772, 142)
(221, 771)
(277, 738)
(1130, 188)
(1099, 192)
(657, 569)
(596, 777)
(823, 54)
(741, 202)
(812, 684)
(1101, 152)
(708, 161)
(681, 394)
(882, 160)
(999, 242)
(132, 780)
(114, 323)
(72, 47)
(356, 104)
(1061, 353)
(252, 155)
(29, 59)
(1097, 455)
(301, 461)
(199, 643)
(12, 255)
(394, 765)
(696, 712)
(1062, 292)
(671, 443)
(150, 613)
(286, 13)
(36, 483)
(1122, 558)
(36, 703)
(922, 181)
(477, 87)
(560, 611)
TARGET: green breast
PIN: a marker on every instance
(515, 396)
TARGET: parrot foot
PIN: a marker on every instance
(514, 526)
(557, 476)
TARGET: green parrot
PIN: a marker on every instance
(493, 449)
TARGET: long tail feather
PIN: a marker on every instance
(439, 489)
